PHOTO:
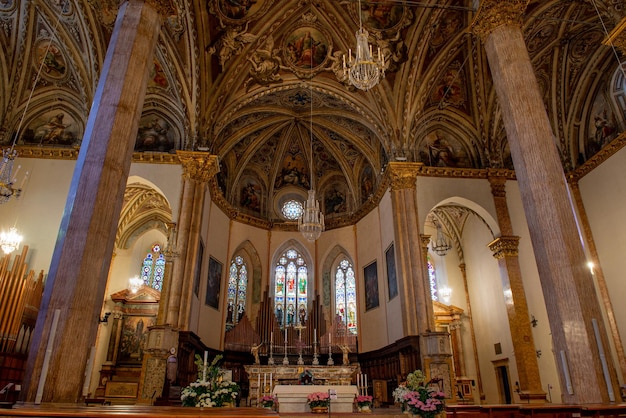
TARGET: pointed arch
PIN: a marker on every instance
(248, 252)
(339, 287)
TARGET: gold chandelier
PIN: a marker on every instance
(311, 223)
(9, 241)
(365, 71)
(441, 246)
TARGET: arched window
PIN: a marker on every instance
(153, 268)
(432, 278)
(345, 295)
(290, 289)
(237, 290)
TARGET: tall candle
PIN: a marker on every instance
(271, 337)
(258, 387)
(271, 381)
(285, 334)
(365, 376)
(206, 354)
(264, 381)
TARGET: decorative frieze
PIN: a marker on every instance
(492, 14)
(504, 247)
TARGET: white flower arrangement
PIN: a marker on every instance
(209, 390)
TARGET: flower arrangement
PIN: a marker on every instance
(209, 390)
(268, 401)
(419, 399)
(363, 401)
(316, 399)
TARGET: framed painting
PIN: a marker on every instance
(214, 280)
(392, 281)
(198, 269)
(370, 276)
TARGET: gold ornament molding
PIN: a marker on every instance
(617, 37)
(403, 175)
(198, 166)
(504, 247)
(492, 14)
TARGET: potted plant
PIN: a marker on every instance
(268, 401)
(418, 398)
(318, 402)
(209, 390)
(363, 403)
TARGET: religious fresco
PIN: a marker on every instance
(603, 128)
(439, 150)
(250, 195)
(449, 88)
(335, 199)
(158, 77)
(55, 127)
(381, 15)
(50, 59)
(155, 134)
(367, 183)
(238, 9)
(134, 337)
(293, 171)
(305, 48)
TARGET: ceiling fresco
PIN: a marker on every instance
(260, 83)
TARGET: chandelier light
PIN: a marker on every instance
(7, 177)
(9, 241)
(311, 223)
(441, 246)
(365, 71)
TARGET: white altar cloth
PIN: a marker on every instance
(292, 398)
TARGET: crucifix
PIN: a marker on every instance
(300, 327)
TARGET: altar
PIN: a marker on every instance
(292, 398)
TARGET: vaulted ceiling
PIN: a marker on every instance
(260, 83)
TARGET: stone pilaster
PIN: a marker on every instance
(170, 255)
(198, 168)
(468, 312)
(417, 307)
(77, 276)
(566, 283)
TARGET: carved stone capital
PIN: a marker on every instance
(425, 240)
(498, 186)
(492, 14)
(403, 175)
(198, 166)
(504, 247)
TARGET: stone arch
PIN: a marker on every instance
(250, 254)
(144, 208)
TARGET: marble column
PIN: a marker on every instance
(505, 250)
(468, 313)
(198, 168)
(573, 309)
(68, 319)
(414, 287)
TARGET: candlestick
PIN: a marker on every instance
(206, 354)
(258, 387)
(271, 381)
(271, 337)
(264, 381)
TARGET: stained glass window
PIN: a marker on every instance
(432, 278)
(153, 268)
(345, 295)
(291, 289)
(292, 210)
(237, 291)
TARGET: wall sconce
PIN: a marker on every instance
(533, 321)
(105, 319)
(538, 353)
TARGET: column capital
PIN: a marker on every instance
(403, 175)
(505, 246)
(492, 14)
(425, 241)
(198, 166)
(498, 185)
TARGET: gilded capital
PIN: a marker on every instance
(498, 186)
(492, 14)
(425, 241)
(504, 247)
(198, 166)
(403, 175)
